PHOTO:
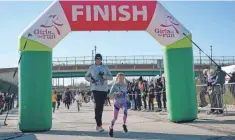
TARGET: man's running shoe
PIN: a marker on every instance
(99, 129)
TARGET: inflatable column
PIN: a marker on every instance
(180, 83)
(35, 86)
(178, 65)
(35, 70)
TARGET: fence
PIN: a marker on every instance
(230, 97)
(147, 59)
(223, 97)
(108, 60)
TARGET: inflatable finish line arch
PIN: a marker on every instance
(62, 17)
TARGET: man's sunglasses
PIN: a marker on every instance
(98, 58)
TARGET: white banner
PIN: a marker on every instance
(165, 28)
(50, 27)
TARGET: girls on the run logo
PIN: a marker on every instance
(46, 32)
(165, 30)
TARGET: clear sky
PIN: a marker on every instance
(211, 23)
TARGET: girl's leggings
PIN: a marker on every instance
(116, 109)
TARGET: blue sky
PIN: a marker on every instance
(211, 23)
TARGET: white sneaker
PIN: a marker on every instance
(144, 110)
(99, 129)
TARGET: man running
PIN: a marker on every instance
(58, 98)
(68, 97)
(98, 75)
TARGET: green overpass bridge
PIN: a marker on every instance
(127, 71)
(70, 67)
(114, 73)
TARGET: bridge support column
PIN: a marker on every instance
(180, 83)
(35, 88)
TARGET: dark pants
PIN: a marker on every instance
(151, 103)
(135, 102)
(138, 102)
(12, 104)
(164, 99)
(203, 94)
(99, 97)
(58, 104)
(144, 100)
(216, 99)
(158, 99)
(67, 102)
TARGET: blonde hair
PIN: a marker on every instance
(205, 71)
(118, 75)
(211, 72)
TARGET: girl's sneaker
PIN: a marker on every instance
(124, 128)
(110, 132)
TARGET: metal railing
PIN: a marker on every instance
(87, 60)
(147, 59)
(222, 97)
(131, 60)
(230, 99)
(215, 96)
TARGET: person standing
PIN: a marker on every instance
(53, 101)
(98, 76)
(108, 99)
(130, 93)
(158, 89)
(203, 91)
(211, 90)
(79, 99)
(144, 90)
(219, 90)
(163, 81)
(151, 97)
(137, 100)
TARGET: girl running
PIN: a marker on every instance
(119, 91)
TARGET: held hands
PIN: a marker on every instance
(93, 80)
(104, 77)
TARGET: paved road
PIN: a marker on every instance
(73, 125)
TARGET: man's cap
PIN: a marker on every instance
(98, 55)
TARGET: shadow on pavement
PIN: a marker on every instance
(137, 135)
(211, 121)
(18, 136)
